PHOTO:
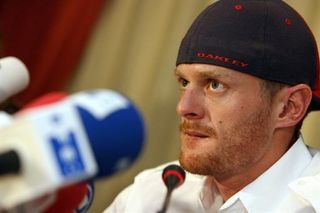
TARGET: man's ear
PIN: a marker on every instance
(292, 104)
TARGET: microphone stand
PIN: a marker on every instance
(173, 176)
(166, 201)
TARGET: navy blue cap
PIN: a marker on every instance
(264, 38)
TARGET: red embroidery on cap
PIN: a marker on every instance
(287, 21)
(238, 7)
(223, 59)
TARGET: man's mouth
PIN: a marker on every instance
(194, 133)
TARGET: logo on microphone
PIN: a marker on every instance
(66, 141)
(68, 155)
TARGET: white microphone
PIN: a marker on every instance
(14, 77)
(87, 135)
(5, 119)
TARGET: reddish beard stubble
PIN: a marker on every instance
(243, 143)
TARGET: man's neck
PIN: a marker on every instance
(230, 185)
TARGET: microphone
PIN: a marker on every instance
(90, 134)
(75, 198)
(66, 200)
(173, 176)
(5, 119)
(10, 157)
(14, 77)
(9, 160)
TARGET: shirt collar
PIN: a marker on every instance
(266, 192)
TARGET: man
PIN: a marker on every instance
(249, 74)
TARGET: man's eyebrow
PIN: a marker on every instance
(204, 73)
(177, 72)
(212, 74)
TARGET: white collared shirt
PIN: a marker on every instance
(291, 185)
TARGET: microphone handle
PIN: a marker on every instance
(9, 163)
(166, 201)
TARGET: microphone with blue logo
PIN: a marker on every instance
(85, 136)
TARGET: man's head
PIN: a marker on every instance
(264, 38)
(247, 69)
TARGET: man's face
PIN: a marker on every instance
(226, 121)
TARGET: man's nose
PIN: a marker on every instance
(191, 104)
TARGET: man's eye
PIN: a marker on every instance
(183, 82)
(215, 85)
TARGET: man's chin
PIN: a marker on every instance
(192, 164)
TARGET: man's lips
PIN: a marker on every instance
(194, 133)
